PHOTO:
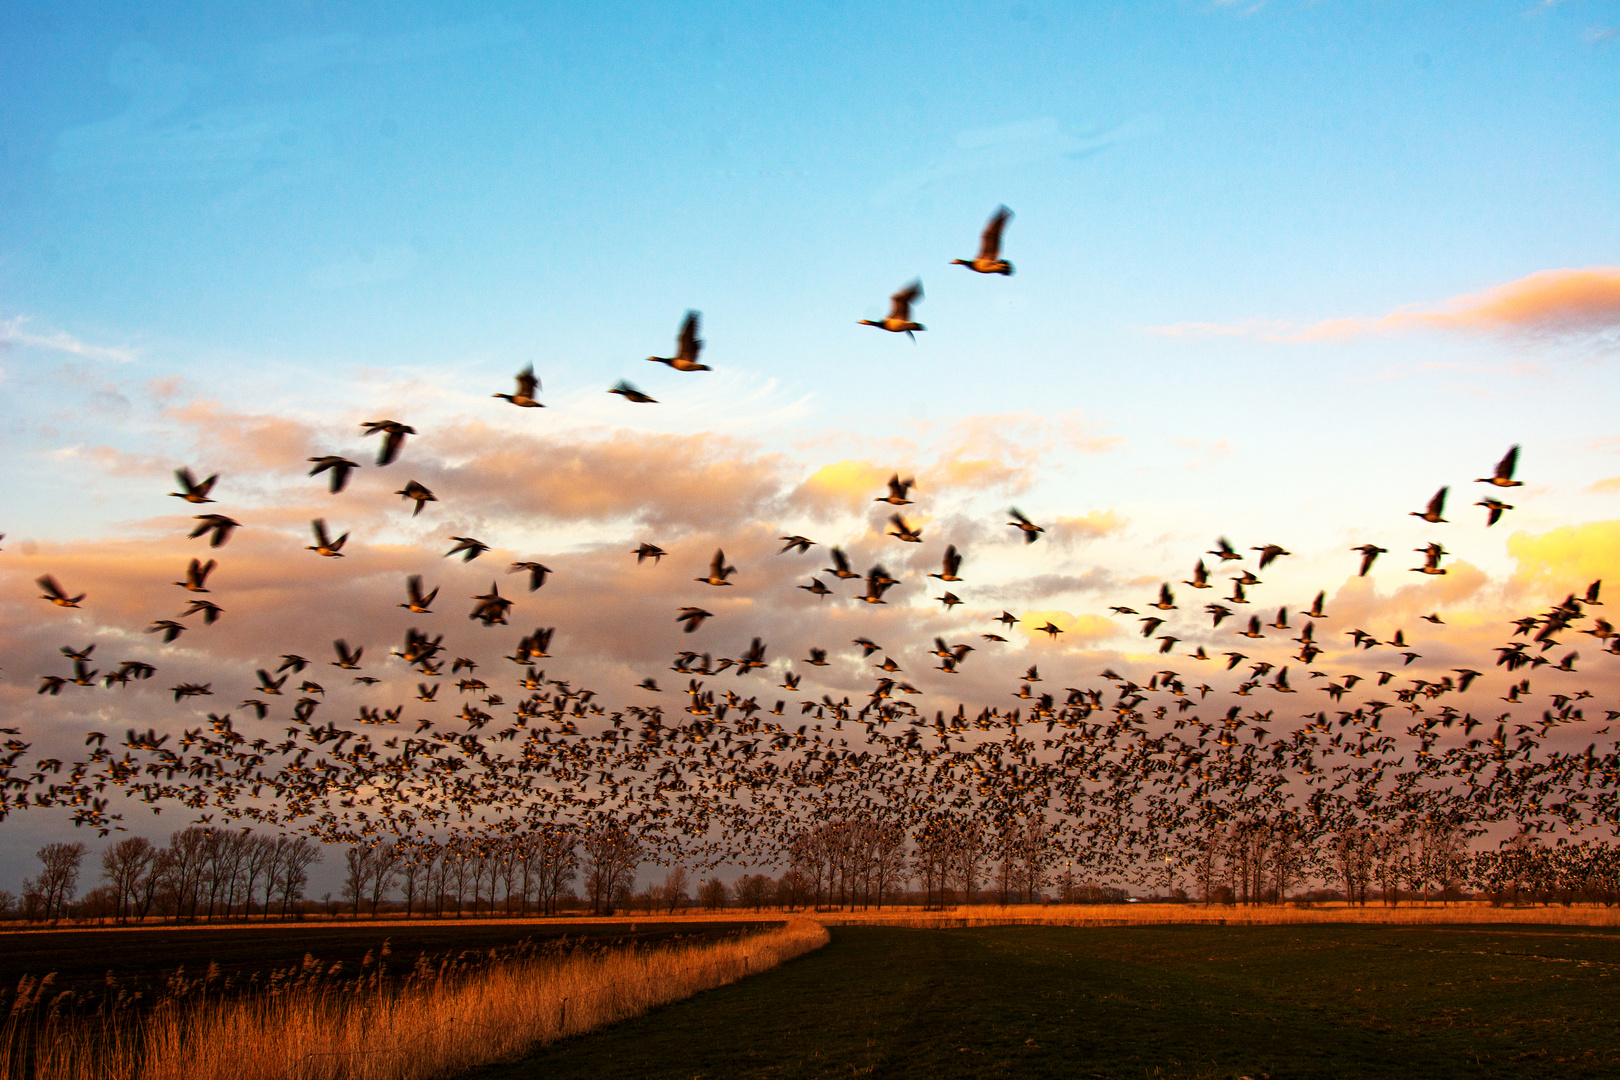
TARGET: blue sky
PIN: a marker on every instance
(227, 236)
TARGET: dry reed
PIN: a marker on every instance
(425, 1029)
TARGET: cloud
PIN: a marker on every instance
(12, 333)
(1091, 526)
(1549, 303)
(1567, 558)
(1026, 142)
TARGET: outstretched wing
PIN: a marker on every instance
(990, 240)
(903, 300)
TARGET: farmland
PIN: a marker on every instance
(1183, 1001)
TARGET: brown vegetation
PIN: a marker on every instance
(428, 1024)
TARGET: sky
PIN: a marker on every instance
(1282, 271)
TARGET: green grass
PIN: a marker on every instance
(1188, 1001)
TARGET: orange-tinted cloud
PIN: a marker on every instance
(1558, 303)
(1567, 558)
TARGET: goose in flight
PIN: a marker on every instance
(1316, 611)
(950, 600)
(816, 588)
(1050, 629)
(628, 391)
(687, 347)
(168, 628)
(840, 567)
(416, 603)
(1166, 600)
(989, 260)
(324, 545)
(210, 611)
(693, 617)
(1432, 554)
(1007, 618)
(818, 658)
(1269, 554)
(469, 548)
(537, 573)
(902, 531)
(1369, 554)
(1495, 507)
(898, 489)
(338, 467)
(218, 526)
(393, 433)
(1031, 530)
(878, 582)
(1436, 507)
(718, 570)
(523, 395)
(191, 490)
(802, 543)
(649, 551)
(348, 660)
(899, 321)
(56, 594)
(1224, 549)
(196, 574)
(867, 646)
(951, 563)
(1200, 578)
(492, 607)
(413, 490)
(1502, 476)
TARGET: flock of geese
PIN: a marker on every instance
(1124, 768)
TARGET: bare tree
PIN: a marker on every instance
(297, 856)
(58, 879)
(384, 874)
(714, 893)
(612, 854)
(673, 891)
(123, 866)
(357, 868)
(753, 890)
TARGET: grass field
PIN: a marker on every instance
(1148, 1001)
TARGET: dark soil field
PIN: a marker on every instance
(145, 958)
(1189, 1001)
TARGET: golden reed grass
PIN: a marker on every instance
(430, 1029)
(1405, 914)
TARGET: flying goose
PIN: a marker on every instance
(56, 594)
(393, 433)
(523, 396)
(989, 260)
(413, 490)
(718, 570)
(323, 545)
(628, 391)
(687, 347)
(218, 526)
(1031, 530)
(339, 467)
(1436, 507)
(898, 321)
(193, 492)
(1502, 476)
